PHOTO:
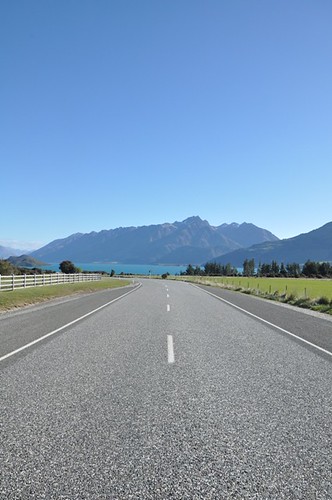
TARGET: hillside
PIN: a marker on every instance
(25, 261)
(315, 245)
(192, 240)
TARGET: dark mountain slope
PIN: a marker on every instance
(315, 245)
(246, 234)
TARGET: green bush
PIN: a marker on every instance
(67, 267)
(323, 301)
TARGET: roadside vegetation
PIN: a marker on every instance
(10, 299)
(308, 286)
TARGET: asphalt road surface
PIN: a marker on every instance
(167, 392)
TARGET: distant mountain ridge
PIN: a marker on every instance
(6, 252)
(191, 241)
(315, 245)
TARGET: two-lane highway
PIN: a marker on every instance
(167, 393)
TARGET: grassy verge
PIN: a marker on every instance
(34, 295)
(312, 294)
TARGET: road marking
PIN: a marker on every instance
(170, 349)
(167, 295)
(168, 308)
(267, 322)
(65, 326)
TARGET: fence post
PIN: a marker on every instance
(0, 281)
(25, 281)
(13, 281)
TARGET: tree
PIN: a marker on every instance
(198, 271)
(310, 268)
(293, 269)
(190, 270)
(249, 267)
(325, 268)
(67, 267)
(275, 269)
(259, 269)
(213, 269)
(228, 270)
(283, 271)
(266, 269)
(7, 268)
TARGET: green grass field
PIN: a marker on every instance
(26, 296)
(311, 293)
(310, 288)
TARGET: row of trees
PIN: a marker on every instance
(211, 269)
(294, 270)
(273, 269)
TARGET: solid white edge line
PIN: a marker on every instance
(65, 326)
(170, 349)
(265, 321)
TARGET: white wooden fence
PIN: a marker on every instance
(14, 281)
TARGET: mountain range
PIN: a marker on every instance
(191, 241)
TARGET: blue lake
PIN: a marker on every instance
(123, 268)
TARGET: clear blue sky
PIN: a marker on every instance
(129, 113)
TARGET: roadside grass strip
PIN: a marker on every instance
(28, 296)
(315, 294)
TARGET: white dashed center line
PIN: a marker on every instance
(170, 349)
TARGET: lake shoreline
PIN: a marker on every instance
(129, 269)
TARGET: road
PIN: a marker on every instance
(168, 392)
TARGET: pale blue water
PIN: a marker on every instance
(124, 268)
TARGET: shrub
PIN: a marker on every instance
(303, 302)
(290, 298)
(323, 301)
